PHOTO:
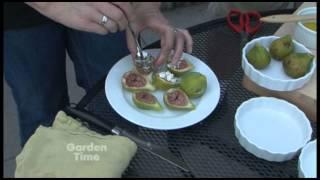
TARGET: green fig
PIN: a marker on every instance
(194, 84)
(282, 47)
(145, 100)
(165, 80)
(258, 56)
(180, 68)
(175, 98)
(134, 81)
(297, 64)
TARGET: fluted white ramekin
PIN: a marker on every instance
(307, 165)
(271, 128)
(304, 35)
(273, 76)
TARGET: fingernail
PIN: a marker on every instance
(158, 63)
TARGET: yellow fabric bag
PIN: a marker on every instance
(68, 149)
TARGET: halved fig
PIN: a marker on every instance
(175, 98)
(134, 81)
(181, 67)
(164, 80)
(146, 100)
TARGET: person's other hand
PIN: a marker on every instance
(85, 16)
(148, 15)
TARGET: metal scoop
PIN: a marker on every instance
(143, 61)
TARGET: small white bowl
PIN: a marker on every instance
(308, 161)
(273, 76)
(271, 128)
(303, 34)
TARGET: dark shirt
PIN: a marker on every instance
(17, 15)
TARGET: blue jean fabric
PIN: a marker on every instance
(35, 68)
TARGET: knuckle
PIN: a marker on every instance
(166, 30)
(118, 16)
(121, 4)
(185, 31)
(180, 35)
(112, 24)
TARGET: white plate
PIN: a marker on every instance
(308, 161)
(273, 76)
(271, 128)
(121, 100)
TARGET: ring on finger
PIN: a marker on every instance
(104, 20)
(175, 30)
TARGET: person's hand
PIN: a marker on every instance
(85, 16)
(148, 15)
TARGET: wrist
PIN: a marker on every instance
(38, 5)
(146, 5)
(145, 9)
(45, 8)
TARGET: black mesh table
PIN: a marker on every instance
(209, 148)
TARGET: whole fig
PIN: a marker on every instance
(297, 64)
(258, 56)
(282, 47)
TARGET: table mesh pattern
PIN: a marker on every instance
(209, 148)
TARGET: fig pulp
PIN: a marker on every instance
(175, 98)
(134, 81)
(180, 68)
(146, 100)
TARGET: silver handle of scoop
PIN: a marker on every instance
(139, 49)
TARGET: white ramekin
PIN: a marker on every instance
(271, 128)
(303, 34)
(273, 76)
(307, 166)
